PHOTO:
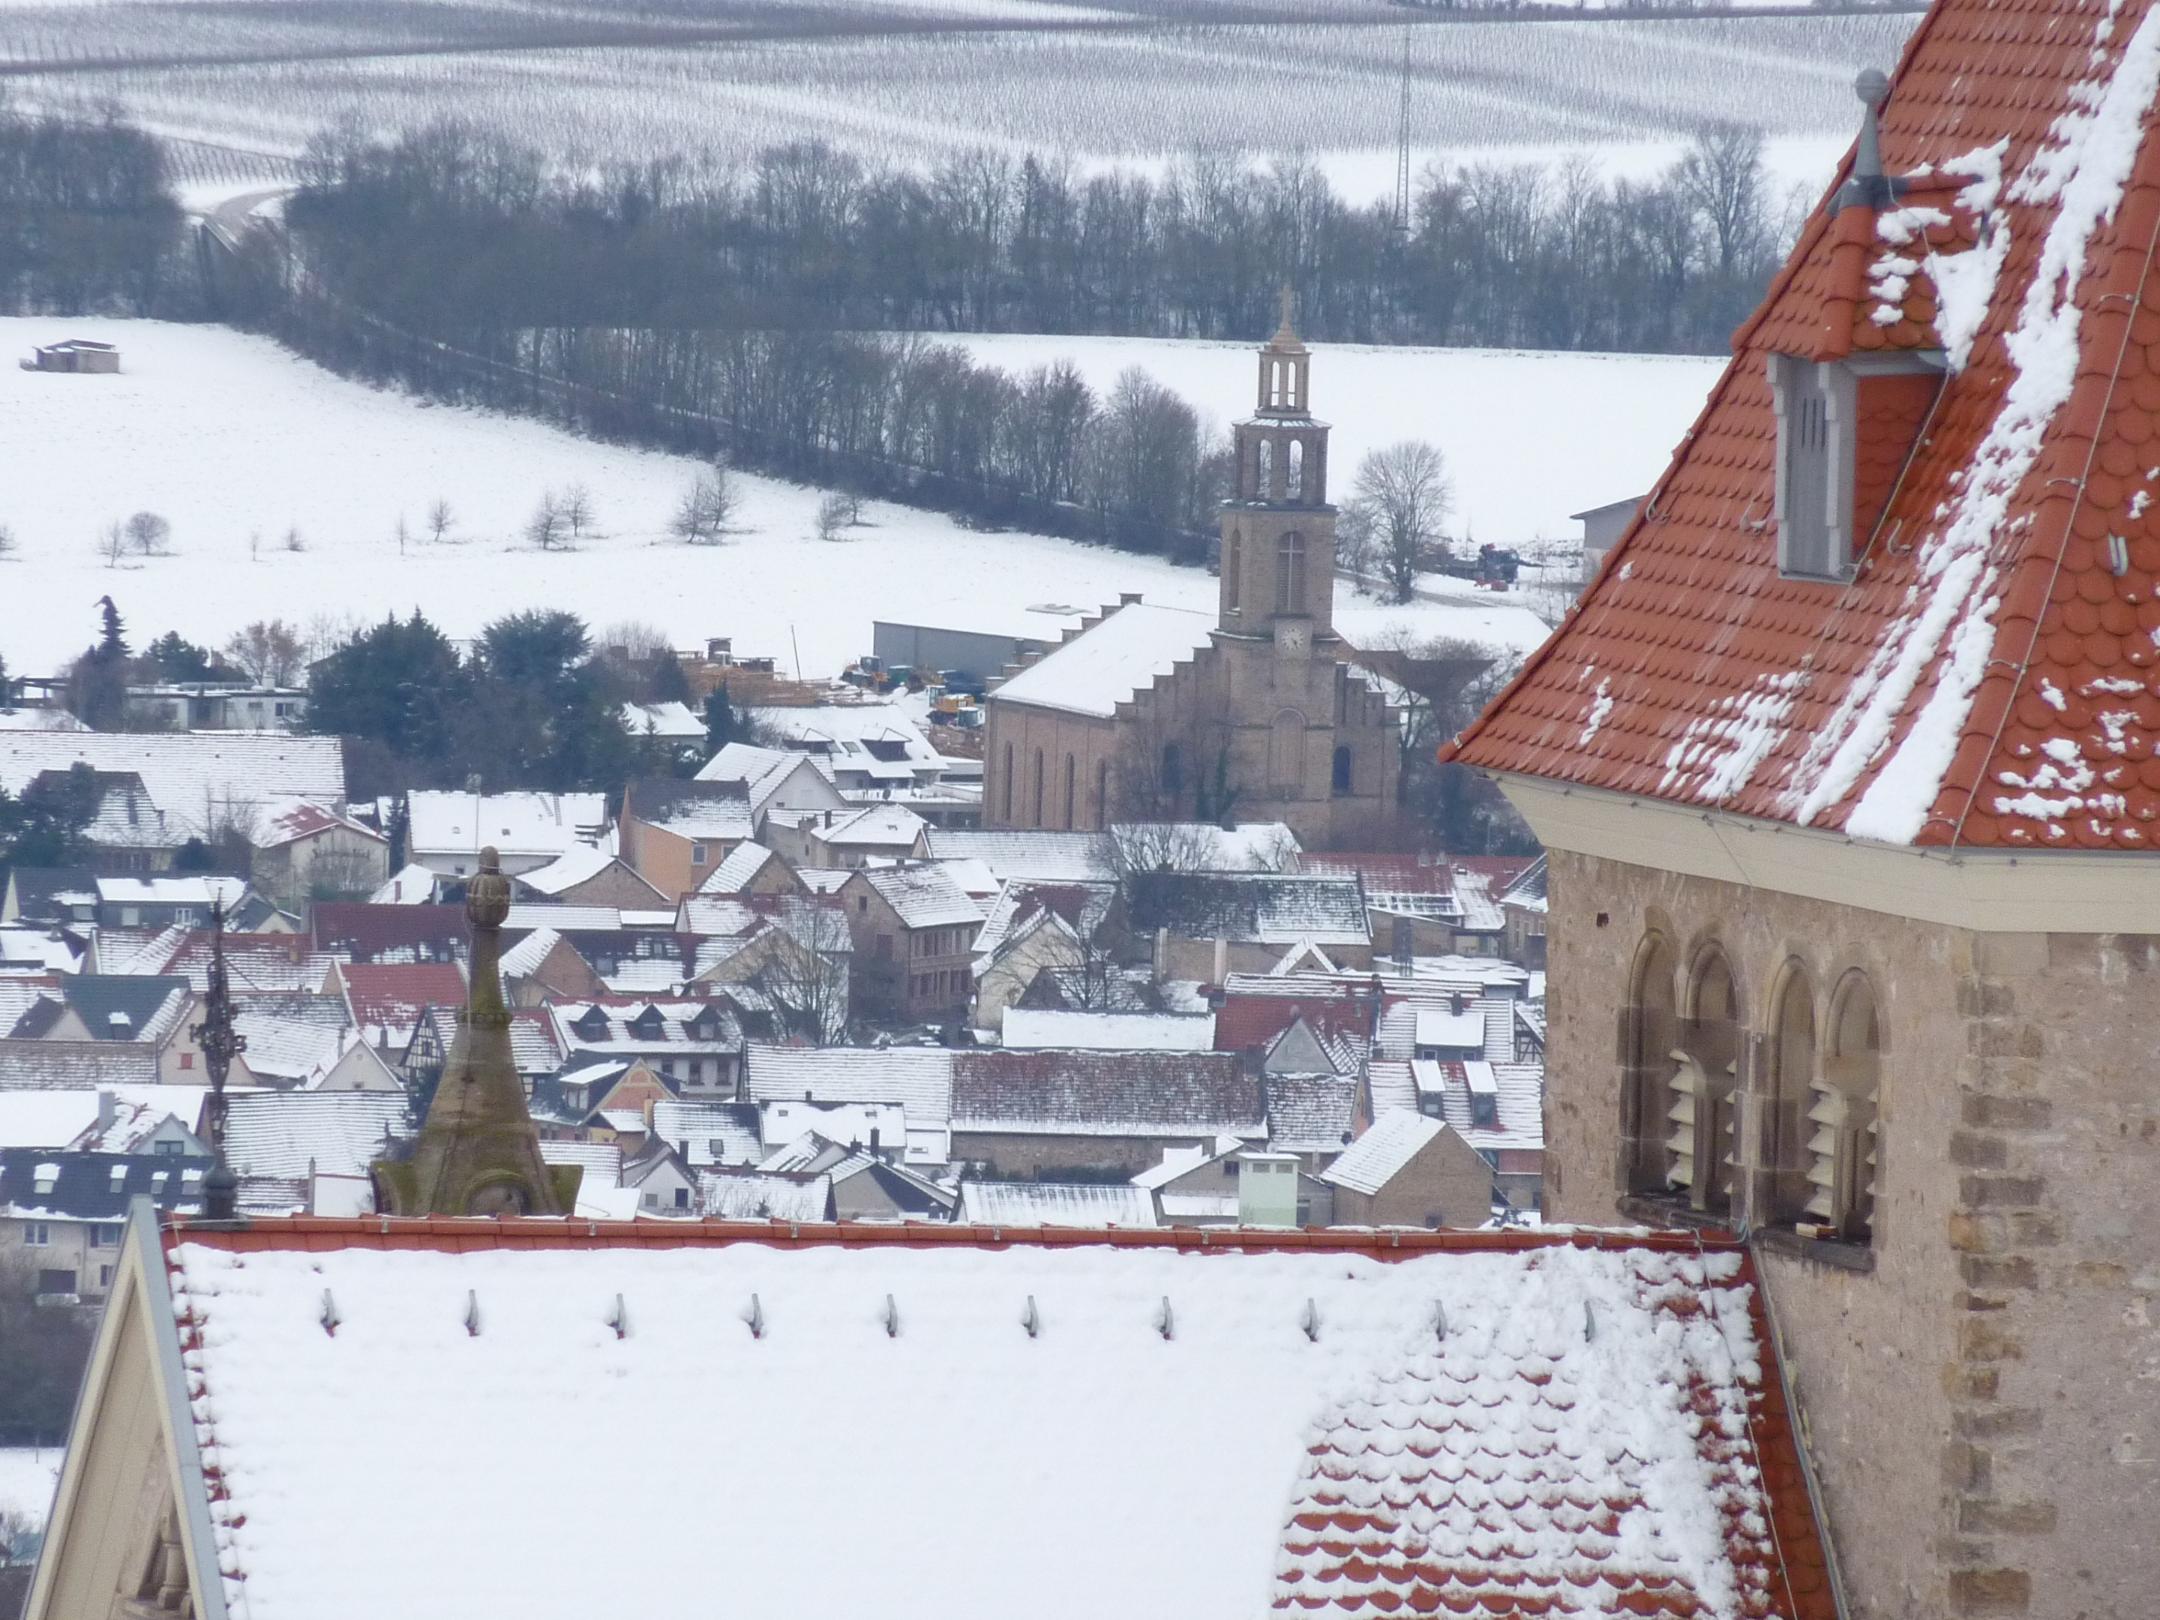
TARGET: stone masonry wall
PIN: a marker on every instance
(1981, 1384)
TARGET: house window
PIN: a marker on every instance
(682, 1197)
(1339, 775)
(649, 1200)
(1290, 574)
(1845, 1115)
(36, 1234)
(105, 1236)
(56, 1282)
(697, 854)
(104, 1279)
(168, 1149)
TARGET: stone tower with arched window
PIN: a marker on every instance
(1278, 530)
(1264, 714)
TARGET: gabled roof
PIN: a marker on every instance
(1056, 1203)
(1026, 855)
(735, 874)
(1310, 1113)
(291, 820)
(518, 824)
(284, 1134)
(1353, 1454)
(188, 774)
(706, 1133)
(918, 1078)
(884, 826)
(922, 895)
(94, 1186)
(1377, 1157)
(253, 962)
(581, 864)
(1130, 647)
(1989, 677)
(697, 810)
(390, 999)
(1268, 908)
(1146, 1094)
(737, 1194)
(291, 1034)
(1021, 906)
(112, 1007)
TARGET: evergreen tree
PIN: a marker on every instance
(399, 684)
(44, 826)
(112, 642)
(97, 682)
(172, 658)
(669, 683)
(721, 725)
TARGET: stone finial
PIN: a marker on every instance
(1868, 188)
(1285, 337)
(487, 896)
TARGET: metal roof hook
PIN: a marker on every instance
(472, 1312)
(1589, 1322)
(329, 1318)
(1031, 1319)
(1439, 1322)
(891, 1318)
(1165, 1324)
(1310, 1322)
(619, 1319)
(754, 1318)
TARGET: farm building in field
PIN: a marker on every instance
(75, 355)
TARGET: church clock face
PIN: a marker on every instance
(1293, 636)
(498, 1198)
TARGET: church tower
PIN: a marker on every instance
(1278, 531)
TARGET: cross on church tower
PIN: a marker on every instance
(1278, 531)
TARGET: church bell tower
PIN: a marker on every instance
(1278, 531)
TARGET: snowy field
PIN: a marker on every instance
(27, 1478)
(1628, 92)
(235, 442)
(1529, 438)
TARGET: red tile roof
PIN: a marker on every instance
(1248, 1020)
(392, 997)
(372, 933)
(1988, 678)
(1448, 1477)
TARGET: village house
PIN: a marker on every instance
(1408, 1170)
(695, 1045)
(1149, 712)
(1845, 770)
(876, 833)
(1036, 927)
(305, 851)
(85, 1013)
(447, 831)
(62, 1215)
(218, 706)
(912, 930)
(674, 833)
(1027, 1113)
(752, 869)
(918, 1080)
(589, 875)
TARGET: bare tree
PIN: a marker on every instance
(7, 541)
(403, 534)
(805, 974)
(546, 528)
(1160, 846)
(112, 544)
(1356, 541)
(439, 519)
(832, 517)
(149, 533)
(269, 653)
(1406, 488)
(702, 518)
(1722, 176)
(577, 510)
(294, 539)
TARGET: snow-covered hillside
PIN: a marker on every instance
(231, 438)
(1528, 437)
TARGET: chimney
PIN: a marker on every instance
(874, 1151)
(105, 1110)
(1457, 1002)
(1403, 951)
(1222, 961)
(1128, 598)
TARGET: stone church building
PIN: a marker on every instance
(1846, 763)
(1262, 714)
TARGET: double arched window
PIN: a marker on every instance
(1649, 1027)
(1844, 1114)
(1702, 1110)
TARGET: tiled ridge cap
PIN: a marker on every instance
(454, 1234)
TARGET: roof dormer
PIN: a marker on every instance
(1845, 431)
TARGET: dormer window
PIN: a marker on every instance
(1845, 431)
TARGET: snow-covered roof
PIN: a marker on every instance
(1027, 856)
(836, 726)
(1270, 908)
(735, 874)
(602, 1162)
(1104, 665)
(487, 1372)
(881, 826)
(918, 1078)
(1055, 1203)
(731, 1194)
(287, 821)
(1139, 1094)
(291, 1034)
(188, 774)
(1310, 1113)
(523, 959)
(203, 891)
(573, 866)
(1440, 1026)
(1027, 1027)
(446, 823)
(696, 810)
(277, 1133)
(707, 1133)
(410, 885)
(1374, 1159)
(922, 895)
(71, 1119)
(669, 722)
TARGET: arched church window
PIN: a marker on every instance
(1233, 575)
(1008, 781)
(1102, 793)
(1072, 791)
(1701, 1143)
(1290, 574)
(1173, 770)
(1845, 1114)
(1339, 777)
(1264, 485)
(1286, 751)
(1787, 1088)
(1297, 469)
(1038, 787)
(1649, 1029)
